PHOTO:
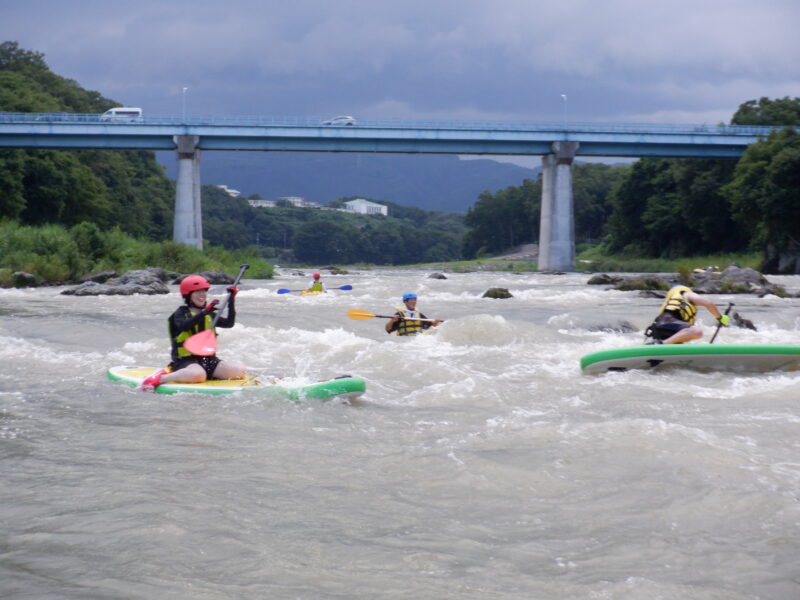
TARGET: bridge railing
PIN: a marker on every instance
(262, 121)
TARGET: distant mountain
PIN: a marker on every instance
(428, 181)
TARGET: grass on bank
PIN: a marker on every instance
(55, 254)
(591, 259)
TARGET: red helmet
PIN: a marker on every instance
(316, 275)
(192, 283)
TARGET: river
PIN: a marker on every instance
(479, 464)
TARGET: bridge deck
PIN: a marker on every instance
(67, 130)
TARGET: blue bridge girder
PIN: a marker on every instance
(559, 144)
(73, 131)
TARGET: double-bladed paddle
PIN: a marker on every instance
(205, 342)
(362, 315)
(341, 287)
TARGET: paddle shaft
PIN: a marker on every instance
(372, 316)
(727, 310)
(222, 306)
(341, 287)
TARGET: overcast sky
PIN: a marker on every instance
(681, 61)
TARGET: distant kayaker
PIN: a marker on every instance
(675, 323)
(316, 284)
(405, 320)
(194, 316)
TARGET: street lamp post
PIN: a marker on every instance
(184, 103)
(564, 96)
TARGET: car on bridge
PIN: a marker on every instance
(341, 120)
(122, 114)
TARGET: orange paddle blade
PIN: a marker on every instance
(202, 344)
(360, 315)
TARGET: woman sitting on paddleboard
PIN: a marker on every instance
(405, 322)
(675, 323)
(192, 318)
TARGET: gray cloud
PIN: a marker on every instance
(619, 60)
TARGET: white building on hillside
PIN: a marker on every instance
(296, 201)
(263, 203)
(365, 207)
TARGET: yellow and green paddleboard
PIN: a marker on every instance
(345, 386)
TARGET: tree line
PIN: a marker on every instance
(667, 208)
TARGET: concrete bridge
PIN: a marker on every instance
(558, 144)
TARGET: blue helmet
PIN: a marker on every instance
(409, 296)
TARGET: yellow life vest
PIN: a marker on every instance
(316, 287)
(407, 326)
(676, 303)
(185, 335)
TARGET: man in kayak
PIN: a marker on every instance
(675, 323)
(405, 320)
(194, 316)
(316, 285)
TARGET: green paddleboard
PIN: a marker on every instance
(707, 357)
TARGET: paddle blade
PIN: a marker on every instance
(359, 315)
(283, 291)
(202, 344)
(345, 287)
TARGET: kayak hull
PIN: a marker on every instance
(343, 387)
(707, 357)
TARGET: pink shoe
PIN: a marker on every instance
(151, 383)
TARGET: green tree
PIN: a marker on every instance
(765, 197)
(12, 197)
(502, 220)
(592, 184)
(673, 207)
(706, 212)
(782, 111)
(324, 240)
(59, 189)
(625, 226)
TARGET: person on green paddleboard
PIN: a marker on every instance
(405, 322)
(194, 316)
(675, 324)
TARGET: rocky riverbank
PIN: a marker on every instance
(733, 280)
(148, 281)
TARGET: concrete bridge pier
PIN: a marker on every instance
(557, 218)
(188, 224)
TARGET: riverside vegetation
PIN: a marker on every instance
(57, 255)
